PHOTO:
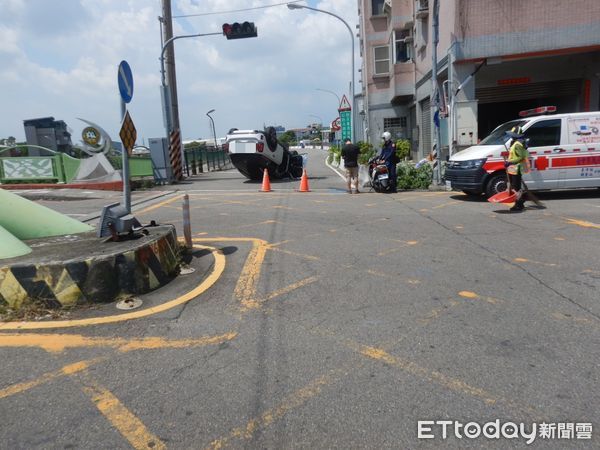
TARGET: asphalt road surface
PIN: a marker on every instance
(328, 320)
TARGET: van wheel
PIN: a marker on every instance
(496, 184)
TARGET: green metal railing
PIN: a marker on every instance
(198, 159)
(55, 167)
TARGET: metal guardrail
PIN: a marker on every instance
(200, 159)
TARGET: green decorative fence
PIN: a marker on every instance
(56, 167)
(199, 158)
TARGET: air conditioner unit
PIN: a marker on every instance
(387, 6)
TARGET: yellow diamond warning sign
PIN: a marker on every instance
(128, 133)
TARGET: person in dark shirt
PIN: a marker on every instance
(350, 154)
(388, 156)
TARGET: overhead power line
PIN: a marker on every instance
(236, 10)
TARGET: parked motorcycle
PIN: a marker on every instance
(378, 175)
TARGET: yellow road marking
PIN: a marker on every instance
(158, 205)
(433, 376)
(585, 320)
(60, 342)
(446, 204)
(474, 296)
(524, 260)
(217, 271)
(288, 252)
(47, 377)
(264, 222)
(271, 415)
(436, 312)
(582, 223)
(253, 304)
(281, 207)
(121, 418)
(559, 239)
(393, 250)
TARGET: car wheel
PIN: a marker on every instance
(496, 184)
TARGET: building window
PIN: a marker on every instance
(402, 46)
(382, 60)
(377, 7)
(396, 126)
(394, 122)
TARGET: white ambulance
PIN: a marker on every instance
(564, 153)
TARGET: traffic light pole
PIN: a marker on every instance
(165, 90)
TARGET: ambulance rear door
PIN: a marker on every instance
(544, 143)
(579, 164)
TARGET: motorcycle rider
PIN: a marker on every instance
(388, 157)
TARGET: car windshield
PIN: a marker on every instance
(498, 136)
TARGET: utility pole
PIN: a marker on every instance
(435, 95)
(167, 22)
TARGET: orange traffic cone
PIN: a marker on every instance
(266, 184)
(304, 182)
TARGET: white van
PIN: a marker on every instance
(564, 153)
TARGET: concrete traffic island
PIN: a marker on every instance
(63, 271)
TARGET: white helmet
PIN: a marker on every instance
(386, 136)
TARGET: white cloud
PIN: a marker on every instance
(62, 61)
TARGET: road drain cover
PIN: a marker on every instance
(129, 303)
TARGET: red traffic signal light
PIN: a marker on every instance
(239, 30)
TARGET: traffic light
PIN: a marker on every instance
(239, 30)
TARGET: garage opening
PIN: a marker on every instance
(500, 104)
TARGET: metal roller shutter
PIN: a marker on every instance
(509, 93)
(425, 127)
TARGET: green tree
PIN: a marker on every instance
(288, 138)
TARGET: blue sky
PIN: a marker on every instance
(59, 58)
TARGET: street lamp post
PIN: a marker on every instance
(320, 128)
(339, 103)
(213, 126)
(297, 6)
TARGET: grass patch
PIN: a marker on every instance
(33, 310)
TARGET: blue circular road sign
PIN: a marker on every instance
(125, 78)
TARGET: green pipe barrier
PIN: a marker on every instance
(11, 246)
(28, 220)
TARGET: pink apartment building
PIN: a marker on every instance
(526, 54)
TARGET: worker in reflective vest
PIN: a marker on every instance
(518, 164)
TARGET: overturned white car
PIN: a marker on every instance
(252, 151)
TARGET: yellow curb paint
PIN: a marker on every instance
(158, 205)
(59, 342)
(217, 271)
(130, 427)
(47, 377)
